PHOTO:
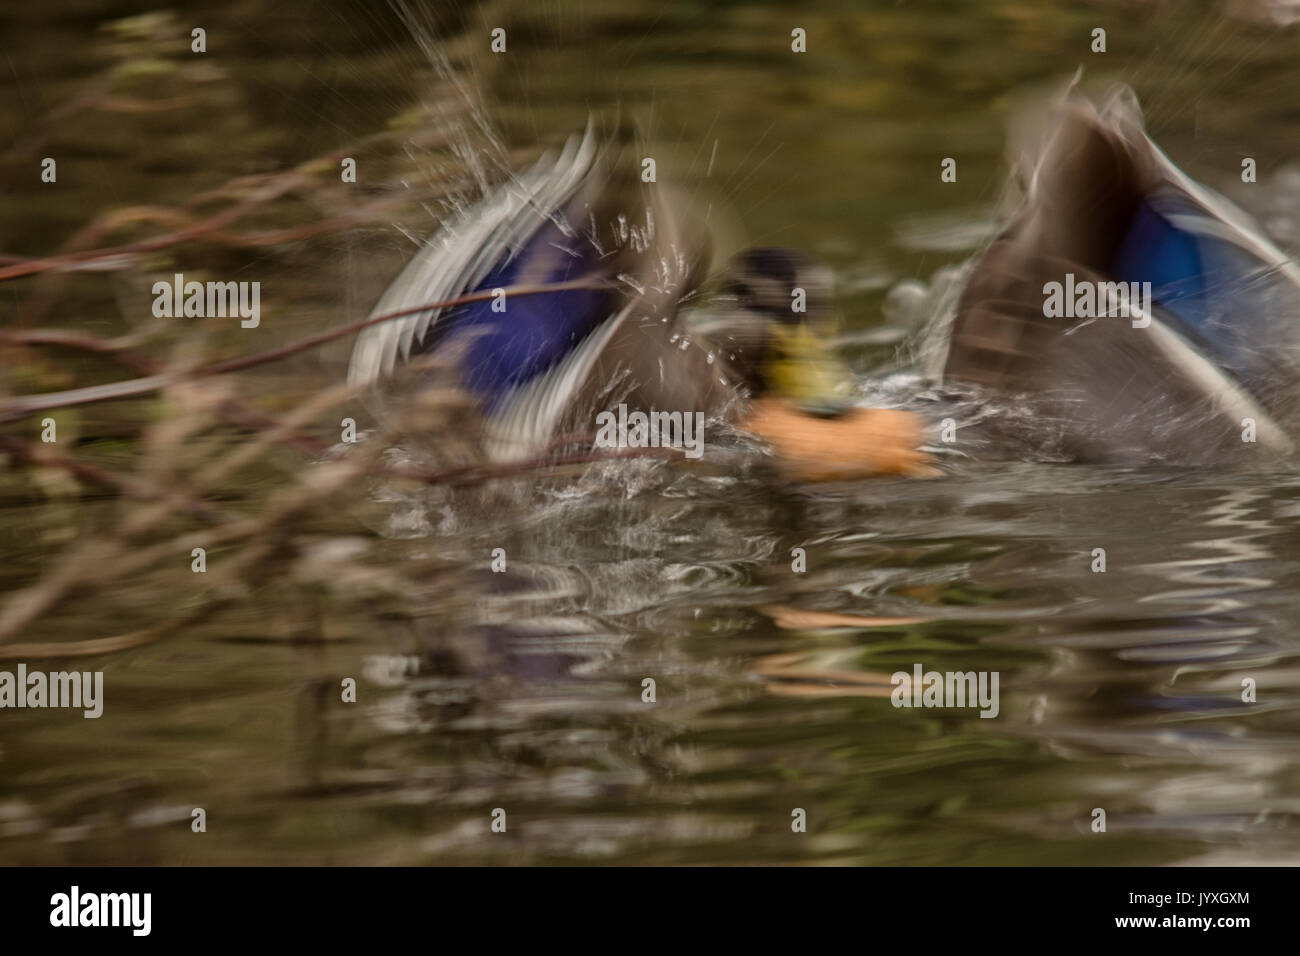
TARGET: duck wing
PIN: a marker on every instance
(1106, 205)
(462, 255)
(543, 363)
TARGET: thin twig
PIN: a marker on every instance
(22, 406)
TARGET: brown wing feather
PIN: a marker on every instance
(1083, 195)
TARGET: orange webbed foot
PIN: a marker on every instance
(858, 443)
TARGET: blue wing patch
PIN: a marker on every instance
(1155, 250)
(1220, 295)
(535, 332)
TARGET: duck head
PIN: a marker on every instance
(584, 307)
(774, 319)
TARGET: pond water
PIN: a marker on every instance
(523, 690)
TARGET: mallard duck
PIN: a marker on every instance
(627, 325)
(1199, 362)
(1204, 365)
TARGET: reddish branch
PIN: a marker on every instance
(17, 408)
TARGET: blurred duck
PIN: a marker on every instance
(1205, 358)
(617, 330)
(1200, 362)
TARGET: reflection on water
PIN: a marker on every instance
(523, 690)
(1120, 690)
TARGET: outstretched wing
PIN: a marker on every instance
(480, 248)
(547, 358)
(1105, 204)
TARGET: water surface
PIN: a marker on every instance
(523, 691)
